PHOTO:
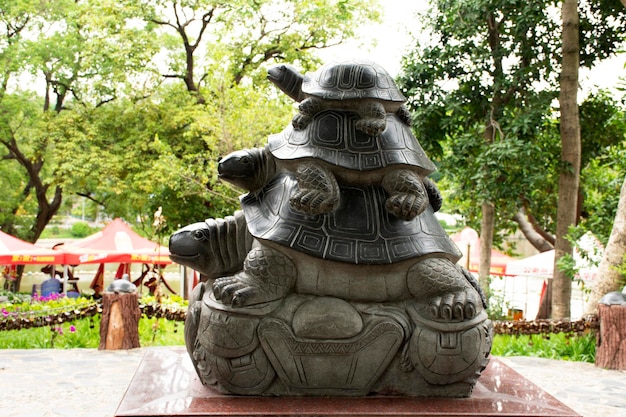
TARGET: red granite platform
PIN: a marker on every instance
(166, 384)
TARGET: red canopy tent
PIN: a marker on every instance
(468, 237)
(14, 251)
(116, 243)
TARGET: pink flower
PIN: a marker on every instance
(72, 329)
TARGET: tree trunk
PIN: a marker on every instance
(570, 157)
(611, 352)
(528, 230)
(119, 328)
(486, 242)
(608, 276)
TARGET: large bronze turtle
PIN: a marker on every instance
(353, 300)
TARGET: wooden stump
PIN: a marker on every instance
(119, 327)
(611, 348)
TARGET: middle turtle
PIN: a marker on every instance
(331, 149)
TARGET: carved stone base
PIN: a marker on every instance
(326, 346)
(166, 384)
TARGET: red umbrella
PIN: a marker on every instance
(14, 251)
(115, 243)
(468, 237)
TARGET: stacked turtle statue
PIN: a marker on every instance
(335, 278)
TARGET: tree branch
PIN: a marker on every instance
(89, 197)
(528, 229)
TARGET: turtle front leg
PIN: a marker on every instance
(308, 108)
(405, 115)
(318, 190)
(444, 290)
(408, 197)
(267, 275)
(372, 121)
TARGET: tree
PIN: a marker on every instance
(481, 92)
(569, 174)
(76, 54)
(611, 270)
(484, 126)
(202, 38)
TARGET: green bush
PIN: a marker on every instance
(554, 346)
(81, 229)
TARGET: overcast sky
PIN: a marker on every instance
(384, 43)
(387, 42)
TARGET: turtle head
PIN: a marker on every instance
(288, 79)
(247, 168)
(192, 246)
(214, 247)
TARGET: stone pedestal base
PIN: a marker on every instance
(166, 384)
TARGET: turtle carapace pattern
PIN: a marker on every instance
(329, 152)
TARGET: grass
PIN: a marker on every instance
(554, 346)
(79, 331)
(85, 333)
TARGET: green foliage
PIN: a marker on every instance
(82, 332)
(555, 346)
(478, 108)
(85, 333)
(481, 90)
(129, 105)
(498, 306)
(81, 229)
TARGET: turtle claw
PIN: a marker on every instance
(313, 202)
(372, 127)
(233, 292)
(240, 297)
(318, 190)
(454, 306)
(406, 206)
(224, 288)
(300, 121)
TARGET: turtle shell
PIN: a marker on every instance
(360, 231)
(352, 80)
(332, 136)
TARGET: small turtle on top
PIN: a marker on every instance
(360, 85)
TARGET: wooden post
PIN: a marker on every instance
(611, 347)
(119, 327)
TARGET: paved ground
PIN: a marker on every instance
(91, 383)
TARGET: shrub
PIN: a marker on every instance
(81, 229)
